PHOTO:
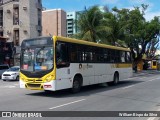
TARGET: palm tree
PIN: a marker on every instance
(90, 25)
(116, 34)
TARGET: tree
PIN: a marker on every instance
(90, 25)
(115, 35)
(137, 31)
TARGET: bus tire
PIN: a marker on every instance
(77, 84)
(115, 80)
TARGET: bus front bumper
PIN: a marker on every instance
(38, 86)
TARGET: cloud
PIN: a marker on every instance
(139, 2)
(150, 15)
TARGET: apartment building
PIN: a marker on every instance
(54, 22)
(72, 18)
(20, 19)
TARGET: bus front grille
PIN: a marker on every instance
(34, 85)
(30, 80)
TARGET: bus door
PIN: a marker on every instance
(63, 77)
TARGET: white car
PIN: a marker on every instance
(11, 74)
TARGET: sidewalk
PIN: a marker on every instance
(145, 72)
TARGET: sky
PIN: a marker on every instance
(79, 5)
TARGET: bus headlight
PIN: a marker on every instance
(49, 78)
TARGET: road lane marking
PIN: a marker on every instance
(140, 83)
(152, 80)
(142, 77)
(134, 78)
(128, 87)
(66, 104)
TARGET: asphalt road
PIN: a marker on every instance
(140, 93)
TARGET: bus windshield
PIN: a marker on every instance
(37, 54)
(37, 59)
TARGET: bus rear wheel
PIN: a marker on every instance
(77, 84)
(115, 80)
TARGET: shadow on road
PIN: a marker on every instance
(85, 91)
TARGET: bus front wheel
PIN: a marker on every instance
(77, 84)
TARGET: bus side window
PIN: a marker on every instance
(128, 57)
(62, 57)
(112, 56)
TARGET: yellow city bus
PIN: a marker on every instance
(56, 63)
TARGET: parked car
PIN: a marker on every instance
(3, 68)
(11, 74)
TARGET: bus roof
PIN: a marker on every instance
(88, 43)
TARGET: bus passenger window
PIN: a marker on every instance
(112, 56)
(128, 57)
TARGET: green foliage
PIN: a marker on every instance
(138, 33)
(90, 25)
(122, 27)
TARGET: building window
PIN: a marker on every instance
(16, 37)
(16, 16)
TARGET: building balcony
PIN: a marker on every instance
(70, 25)
(69, 21)
(70, 33)
(70, 29)
(16, 27)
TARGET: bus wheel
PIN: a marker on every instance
(115, 80)
(77, 84)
